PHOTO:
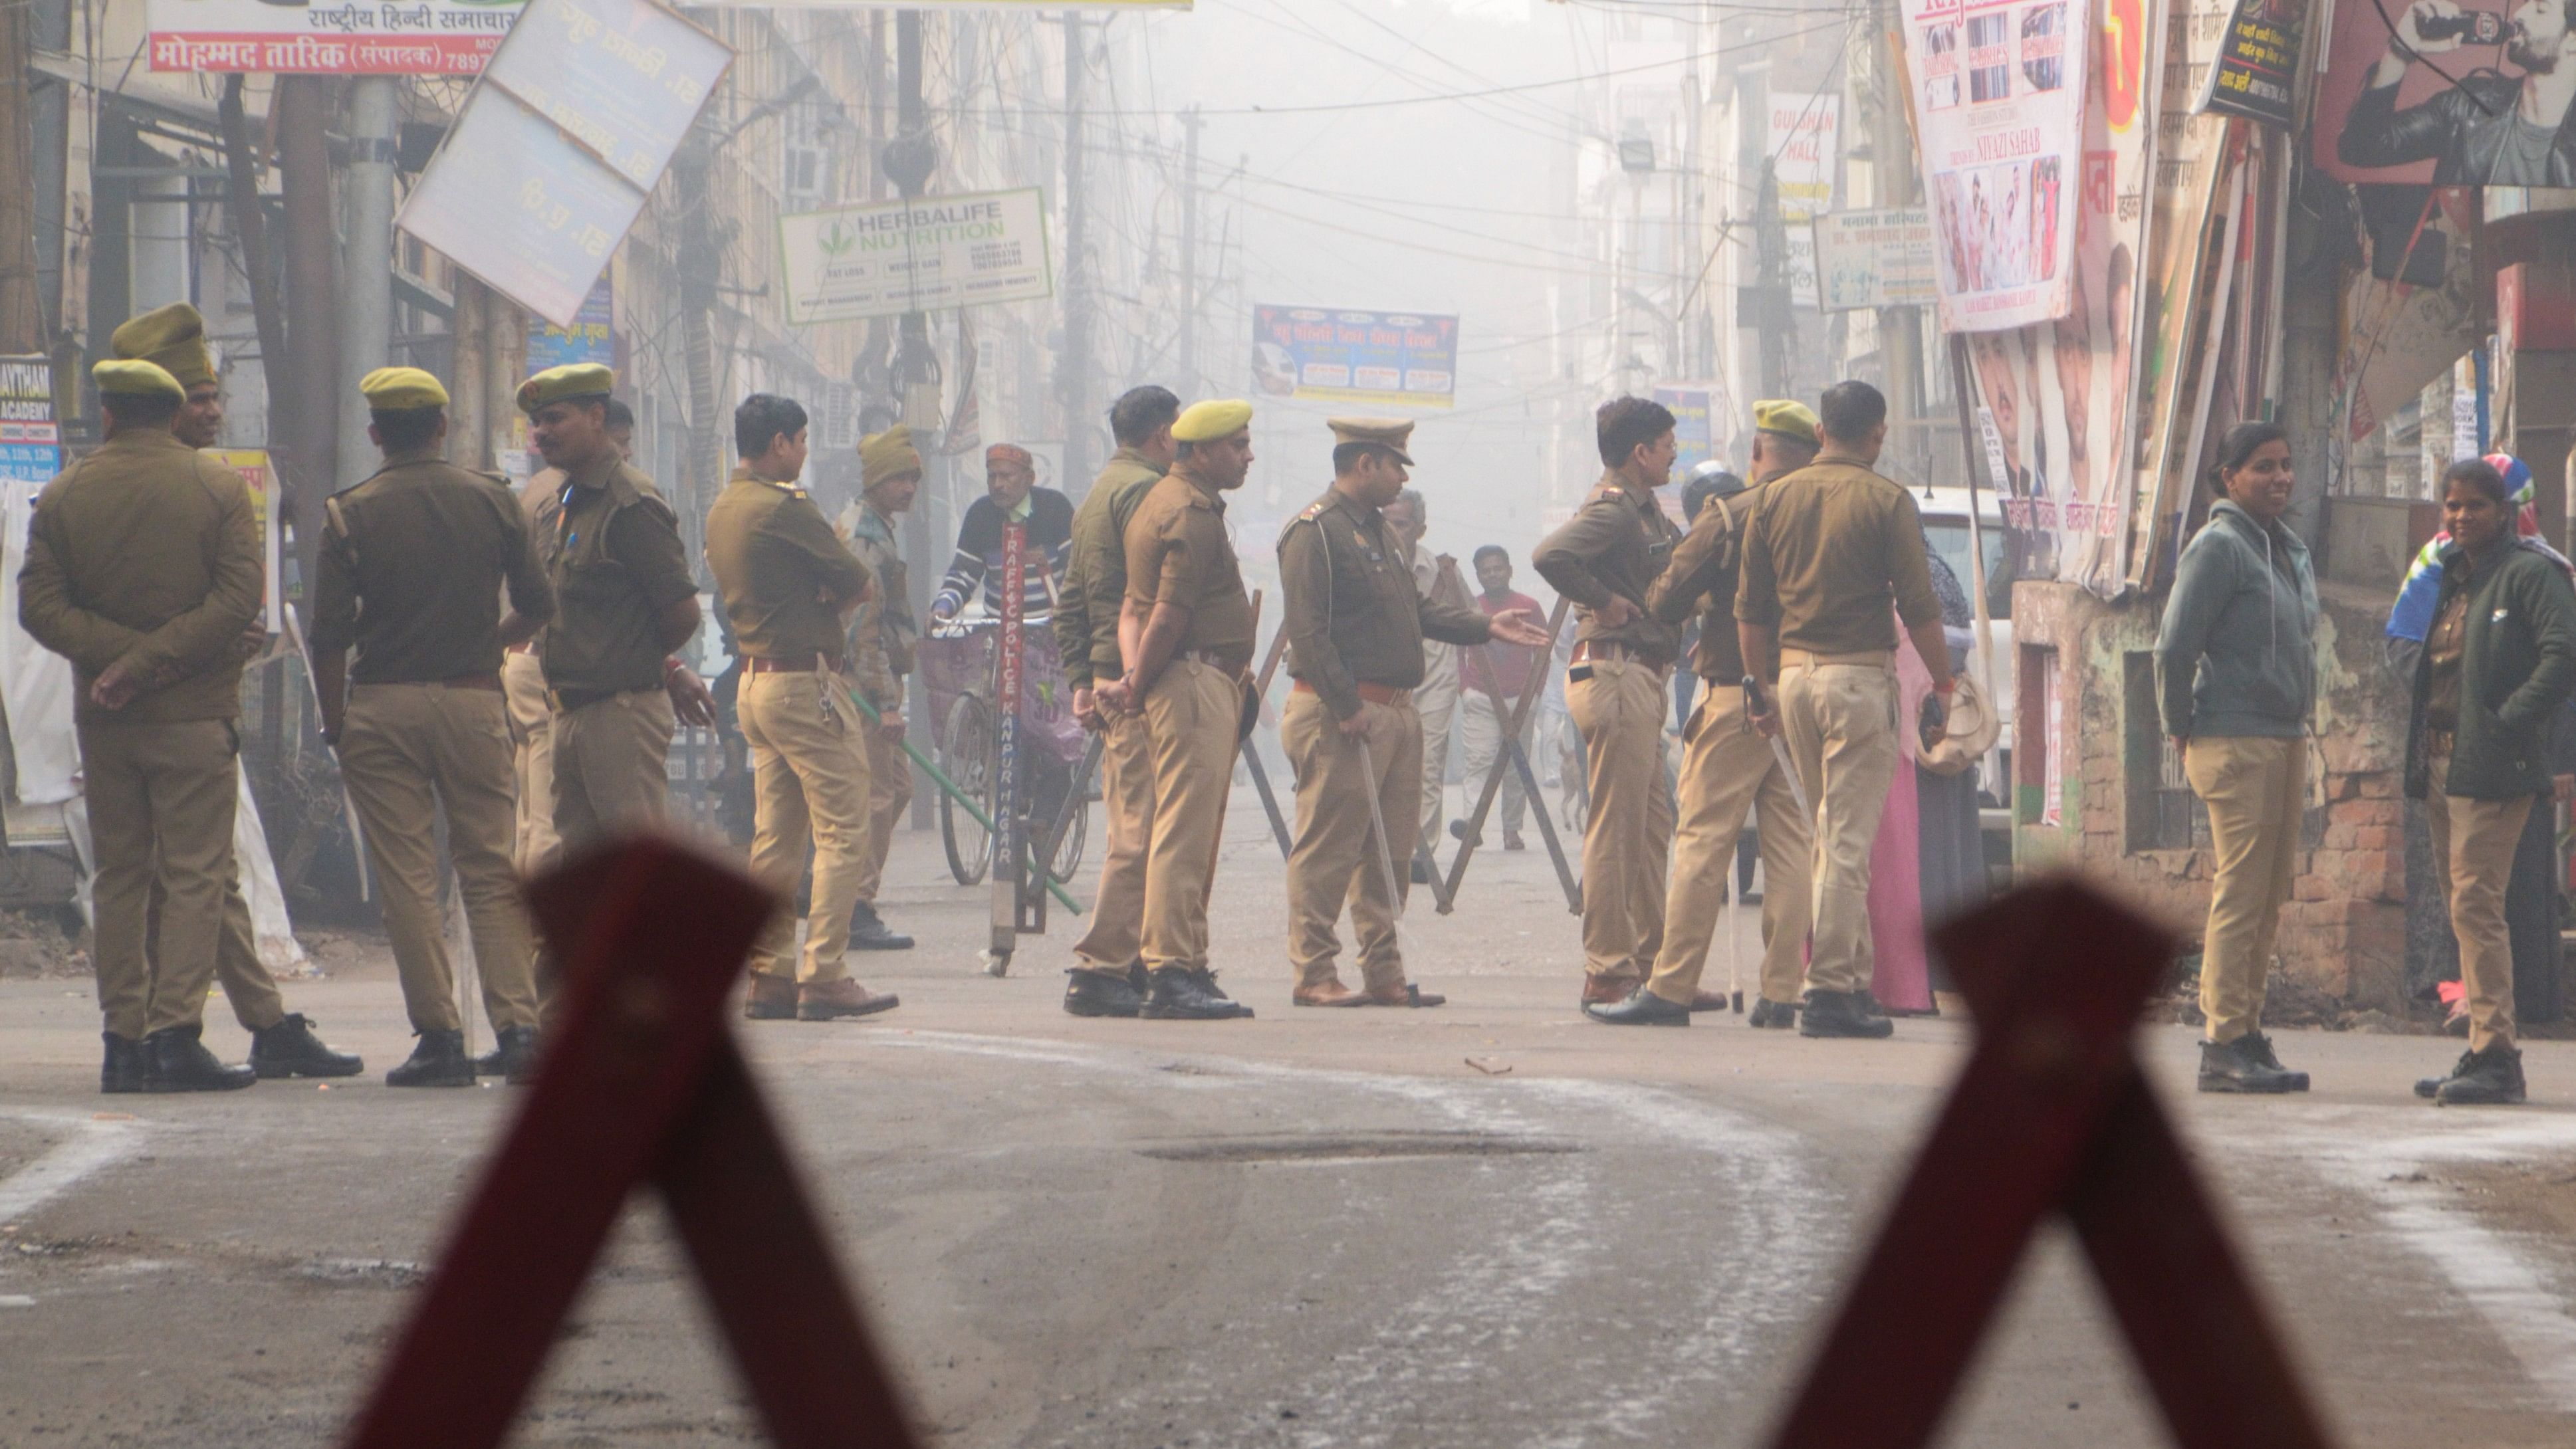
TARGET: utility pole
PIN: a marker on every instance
(468, 430)
(1778, 326)
(301, 105)
(907, 161)
(1895, 182)
(1189, 378)
(250, 227)
(366, 271)
(1073, 364)
(22, 322)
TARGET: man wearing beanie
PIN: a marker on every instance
(889, 479)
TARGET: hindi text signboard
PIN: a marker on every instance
(624, 78)
(1875, 259)
(422, 37)
(1402, 359)
(923, 255)
(513, 200)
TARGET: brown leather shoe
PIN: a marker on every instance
(827, 1000)
(1603, 990)
(1706, 1000)
(1331, 993)
(772, 998)
(1406, 995)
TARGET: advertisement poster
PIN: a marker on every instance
(2257, 65)
(31, 446)
(1875, 259)
(1999, 101)
(2387, 111)
(1399, 359)
(422, 37)
(1806, 144)
(2052, 402)
(261, 480)
(589, 337)
(924, 255)
(1699, 423)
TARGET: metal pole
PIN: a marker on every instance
(1073, 365)
(1189, 378)
(366, 271)
(301, 105)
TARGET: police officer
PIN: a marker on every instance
(1726, 767)
(1355, 625)
(281, 1044)
(788, 584)
(1108, 977)
(889, 477)
(1603, 559)
(523, 674)
(623, 601)
(1833, 557)
(1185, 638)
(413, 561)
(143, 569)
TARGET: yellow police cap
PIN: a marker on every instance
(573, 379)
(887, 455)
(1392, 434)
(174, 337)
(133, 377)
(401, 389)
(1205, 422)
(1788, 419)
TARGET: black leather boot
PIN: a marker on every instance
(868, 932)
(122, 1071)
(2484, 1079)
(1183, 993)
(1642, 1008)
(1773, 1015)
(2239, 1066)
(1843, 1013)
(439, 1061)
(174, 1060)
(1097, 993)
(513, 1056)
(290, 1049)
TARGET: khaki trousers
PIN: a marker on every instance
(1840, 722)
(532, 739)
(1480, 730)
(1628, 838)
(1436, 705)
(611, 766)
(161, 799)
(1127, 802)
(2253, 787)
(889, 796)
(2476, 841)
(246, 983)
(811, 788)
(410, 753)
(1191, 714)
(1727, 769)
(1335, 857)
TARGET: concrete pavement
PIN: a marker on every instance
(1312, 1228)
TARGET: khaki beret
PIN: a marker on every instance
(133, 377)
(173, 337)
(1788, 419)
(1205, 422)
(887, 455)
(572, 380)
(401, 389)
(1392, 434)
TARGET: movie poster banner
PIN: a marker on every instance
(2050, 405)
(2439, 93)
(1999, 106)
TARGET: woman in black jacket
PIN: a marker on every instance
(2497, 665)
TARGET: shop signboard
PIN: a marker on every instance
(924, 255)
(1397, 359)
(1868, 259)
(31, 445)
(415, 37)
(1805, 151)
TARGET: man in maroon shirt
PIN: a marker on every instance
(1493, 675)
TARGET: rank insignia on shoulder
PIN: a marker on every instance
(1313, 511)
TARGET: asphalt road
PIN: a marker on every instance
(1311, 1229)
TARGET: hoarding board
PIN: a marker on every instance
(2432, 93)
(31, 445)
(1400, 359)
(513, 200)
(1875, 259)
(1701, 428)
(419, 37)
(590, 336)
(624, 78)
(1805, 151)
(924, 255)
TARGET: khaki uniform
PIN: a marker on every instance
(1086, 629)
(1833, 555)
(1615, 546)
(2256, 789)
(1436, 699)
(413, 562)
(615, 560)
(1726, 769)
(1356, 625)
(523, 684)
(1177, 553)
(145, 554)
(785, 577)
(883, 630)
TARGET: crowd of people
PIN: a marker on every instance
(502, 670)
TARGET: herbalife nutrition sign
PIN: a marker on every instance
(915, 256)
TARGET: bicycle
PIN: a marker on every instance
(961, 669)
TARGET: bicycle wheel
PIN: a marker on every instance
(966, 755)
(1068, 847)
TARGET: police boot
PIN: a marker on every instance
(2484, 1079)
(1099, 993)
(122, 1071)
(513, 1056)
(2260, 1047)
(1843, 1013)
(174, 1060)
(772, 998)
(290, 1049)
(831, 1000)
(2239, 1066)
(1773, 1015)
(439, 1061)
(1642, 1008)
(868, 932)
(1185, 993)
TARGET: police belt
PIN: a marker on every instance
(1872, 658)
(565, 701)
(799, 664)
(1372, 693)
(1233, 669)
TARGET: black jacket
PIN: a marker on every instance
(2515, 673)
(2452, 130)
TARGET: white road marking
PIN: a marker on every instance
(91, 1146)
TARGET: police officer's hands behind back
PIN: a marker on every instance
(1086, 711)
(691, 700)
(115, 687)
(1357, 725)
(1614, 614)
(1521, 626)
